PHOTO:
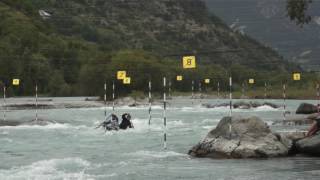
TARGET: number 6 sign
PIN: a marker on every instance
(189, 62)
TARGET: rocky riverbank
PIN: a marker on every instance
(243, 105)
(60, 103)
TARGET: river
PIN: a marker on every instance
(74, 149)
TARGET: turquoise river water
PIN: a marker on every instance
(74, 149)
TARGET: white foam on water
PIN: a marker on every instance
(7, 140)
(202, 109)
(4, 133)
(142, 124)
(50, 169)
(157, 154)
(208, 127)
(205, 121)
(46, 127)
(157, 107)
(265, 108)
(176, 123)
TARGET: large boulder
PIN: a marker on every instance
(309, 146)
(238, 137)
(306, 108)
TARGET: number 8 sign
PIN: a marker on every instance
(189, 62)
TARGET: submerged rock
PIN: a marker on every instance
(306, 108)
(238, 137)
(29, 106)
(9, 123)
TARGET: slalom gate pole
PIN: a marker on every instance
(113, 95)
(230, 96)
(164, 114)
(218, 92)
(36, 102)
(105, 100)
(4, 103)
(200, 90)
(150, 101)
(192, 89)
(169, 93)
(231, 106)
(284, 102)
(318, 98)
(265, 90)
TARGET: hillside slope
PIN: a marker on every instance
(164, 27)
(266, 21)
(73, 46)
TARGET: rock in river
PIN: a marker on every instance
(306, 108)
(238, 137)
(309, 146)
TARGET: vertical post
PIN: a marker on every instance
(164, 115)
(150, 101)
(192, 89)
(243, 90)
(200, 90)
(230, 95)
(113, 95)
(4, 103)
(265, 90)
(169, 93)
(105, 100)
(231, 106)
(36, 102)
(218, 92)
(318, 98)
(284, 102)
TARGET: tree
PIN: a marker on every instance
(297, 11)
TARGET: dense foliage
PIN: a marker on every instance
(297, 11)
(83, 43)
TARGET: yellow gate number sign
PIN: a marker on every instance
(189, 62)
(251, 81)
(296, 76)
(121, 75)
(179, 78)
(127, 80)
(16, 82)
(207, 81)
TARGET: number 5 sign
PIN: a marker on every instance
(189, 62)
